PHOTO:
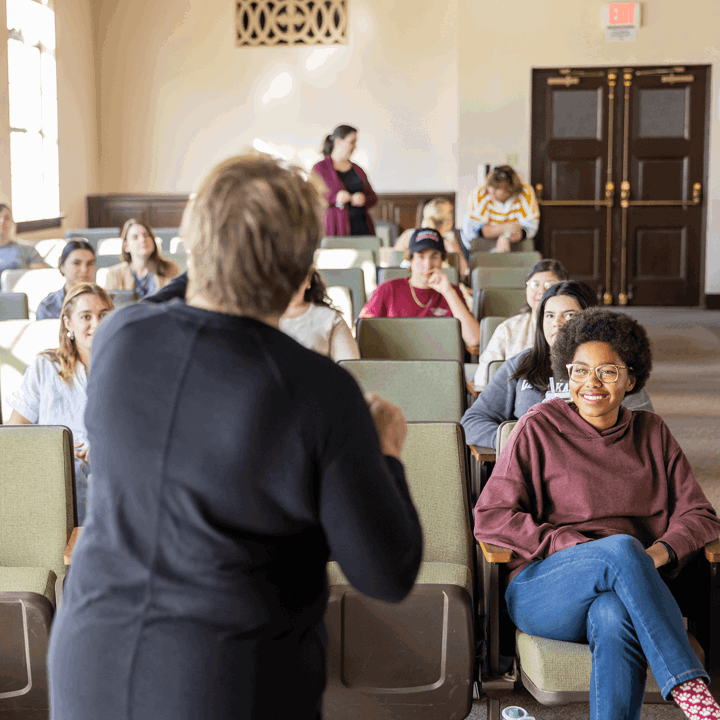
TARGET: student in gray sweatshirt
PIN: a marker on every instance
(526, 379)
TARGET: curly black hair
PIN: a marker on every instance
(626, 337)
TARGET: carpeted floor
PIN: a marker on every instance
(685, 390)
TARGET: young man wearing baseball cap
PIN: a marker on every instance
(427, 292)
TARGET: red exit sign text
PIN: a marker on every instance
(621, 14)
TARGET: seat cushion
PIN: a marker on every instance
(554, 666)
(432, 573)
(22, 579)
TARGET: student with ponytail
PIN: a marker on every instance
(347, 188)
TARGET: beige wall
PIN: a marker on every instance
(152, 94)
(495, 69)
(176, 95)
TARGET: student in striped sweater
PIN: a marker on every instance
(503, 211)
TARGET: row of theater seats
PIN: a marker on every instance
(413, 660)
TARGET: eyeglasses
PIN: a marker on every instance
(605, 373)
(535, 285)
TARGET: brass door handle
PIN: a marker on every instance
(626, 202)
(609, 200)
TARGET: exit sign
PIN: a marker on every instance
(620, 15)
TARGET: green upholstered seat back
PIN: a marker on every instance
(36, 496)
(503, 433)
(410, 339)
(425, 390)
(488, 325)
(435, 468)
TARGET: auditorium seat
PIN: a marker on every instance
(166, 235)
(488, 325)
(340, 258)
(390, 257)
(415, 659)
(498, 301)
(353, 280)
(37, 516)
(20, 342)
(425, 390)
(387, 231)
(358, 242)
(36, 284)
(514, 259)
(93, 235)
(410, 339)
(341, 300)
(50, 250)
(392, 273)
(14, 306)
(109, 246)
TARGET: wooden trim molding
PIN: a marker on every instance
(165, 210)
(712, 301)
(27, 226)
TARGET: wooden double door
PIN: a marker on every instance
(618, 162)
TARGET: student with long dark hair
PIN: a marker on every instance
(311, 319)
(143, 268)
(527, 378)
(76, 265)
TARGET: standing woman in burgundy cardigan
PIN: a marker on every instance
(348, 193)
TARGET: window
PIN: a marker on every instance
(32, 86)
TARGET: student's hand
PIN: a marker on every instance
(358, 199)
(659, 554)
(439, 281)
(516, 231)
(81, 451)
(343, 197)
(389, 423)
(503, 244)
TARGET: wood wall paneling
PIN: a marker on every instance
(166, 210)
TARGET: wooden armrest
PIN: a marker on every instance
(471, 389)
(67, 555)
(712, 551)
(473, 349)
(482, 454)
(495, 553)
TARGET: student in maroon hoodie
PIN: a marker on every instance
(593, 498)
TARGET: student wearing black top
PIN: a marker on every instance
(229, 463)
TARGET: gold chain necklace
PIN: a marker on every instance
(412, 291)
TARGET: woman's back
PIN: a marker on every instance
(226, 452)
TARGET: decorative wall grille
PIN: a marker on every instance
(290, 22)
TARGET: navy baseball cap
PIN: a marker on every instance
(426, 239)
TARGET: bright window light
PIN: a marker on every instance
(32, 90)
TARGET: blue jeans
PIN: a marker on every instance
(609, 591)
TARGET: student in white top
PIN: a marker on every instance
(315, 324)
(517, 333)
(54, 388)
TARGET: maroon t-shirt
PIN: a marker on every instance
(394, 298)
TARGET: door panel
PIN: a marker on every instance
(639, 131)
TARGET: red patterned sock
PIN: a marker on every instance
(695, 700)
